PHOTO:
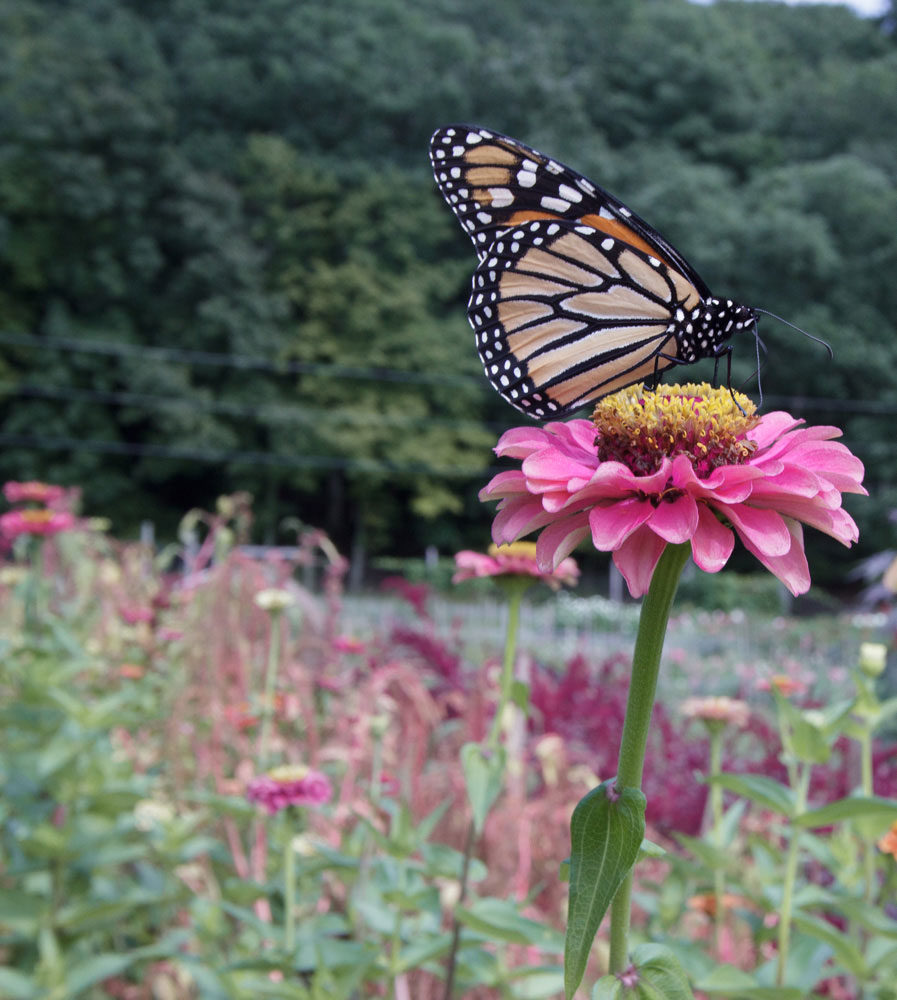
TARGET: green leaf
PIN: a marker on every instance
(484, 776)
(520, 695)
(16, 986)
(758, 788)
(846, 952)
(419, 952)
(727, 981)
(851, 807)
(648, 849)
(500, 918)
(93, 969)
(540, 982)
(607, 988)
(606, 832)
(660, 974)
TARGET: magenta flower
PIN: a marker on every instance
(681, 464)
(34, 521)
(516, 559)
(33, 491)
(289, 786)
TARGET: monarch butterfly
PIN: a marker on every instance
(575, 296)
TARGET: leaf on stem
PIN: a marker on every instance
(483, 774)
(606, 833)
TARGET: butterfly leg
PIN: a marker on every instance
(727, 353)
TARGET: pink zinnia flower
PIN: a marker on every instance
(681, 464)
(33, 491)
(289, 786)
(135, 614)
(35, 521)
(785, 685)
(516, 559)
(717, 708)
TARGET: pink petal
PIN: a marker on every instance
(712, 543)
(518, 517)
(676, 521)
(765, 529)
(504, 484)
(613, 524)
(791, 568)
(551, 466)
(772, 426)
(559, 539)
(519, 442)
(637, 558)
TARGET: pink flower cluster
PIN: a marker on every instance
(516, 559)
(50, 519)
(289, 786)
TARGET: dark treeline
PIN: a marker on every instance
(224, 264)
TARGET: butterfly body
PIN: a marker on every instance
(575, 296)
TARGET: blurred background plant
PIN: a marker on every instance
(131, 858)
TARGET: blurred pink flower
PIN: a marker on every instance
(33, 491)
(785, 685)
(717, 708)
(35, 521)
(516, 559)
(348, 644)
(289, 786)
(133, 614)
(681, 464)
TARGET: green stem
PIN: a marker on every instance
(865, 741)
(515, 597)
(270, 681)
(791, 860)
(716, 811)
(515, 589)
(289, 896)
(642, 688)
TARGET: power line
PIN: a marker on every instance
(271, 413)
(206, 455)
(239, 361)
(378, 374)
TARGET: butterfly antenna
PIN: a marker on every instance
(817, 340)
(761, 364)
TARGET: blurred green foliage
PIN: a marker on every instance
(251, 182)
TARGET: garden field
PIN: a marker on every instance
(232, 779)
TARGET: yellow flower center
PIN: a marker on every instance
(37, 517)
(520, 550)
(641, 427)
(286, 774)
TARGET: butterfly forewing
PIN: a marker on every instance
(564, 314)
(493, 182)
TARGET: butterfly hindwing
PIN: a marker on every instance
(493, 182)
(564, 314)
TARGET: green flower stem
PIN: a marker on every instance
(270, 681)
(865, 741)
(801, 788)
(642, 688)
(716, 811)
(515, 587)
(34, 585)
(289, 896)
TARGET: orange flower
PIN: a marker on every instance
(133, 671)
(888, 843)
